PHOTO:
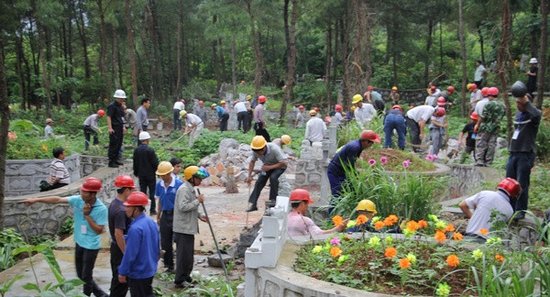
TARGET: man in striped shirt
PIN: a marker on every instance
(59, 175)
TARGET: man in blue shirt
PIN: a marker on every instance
(165, 192)
(140, 260)
(90, 218)
(223, 115)
(346, 157)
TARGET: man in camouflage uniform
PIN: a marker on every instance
(487, 130)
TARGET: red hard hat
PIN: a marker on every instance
(301, 107)
(338, 107)
(451, 89)
(440, 111)
(370, 88)
(484, 91)
(262, 99)
(370, 135)
(91, 184)
(101, 113)
(300, 195)
(493, 91)
(397, 107)
(441, 100)
(510, 186)
(137, 198)
(474, 116)
(124, 181)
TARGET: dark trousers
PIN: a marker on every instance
(335, 181)
(54, 186)
(88, 132)
(397, 123)
(177, 120)
(167, 238)
(273, 177)
(414, 131)
(223, 122)
(249, 119)
(117, 289)
(242, 118)
(185, 244)
(519, 168)
(85, 262)
(260, 130)
(141, 287)
(147, 186)
(115, 144)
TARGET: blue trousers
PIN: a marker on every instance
(335, 181)
(519, 168)
(397, 123)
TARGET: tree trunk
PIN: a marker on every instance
(533, 33)
(440, 46)
(291, 61)
(359, 59)
(503, 61)
(481, 43)
(20, 71)
(428, 57)
(215, 62)
(328, 64)
(463, 105)
(543, 52)
(4, 126)
(108, 86)
(259, 69)
(179, 44)
(234, 63)
(131, 51)
(42, 35)
(82, 34)
(347, 90)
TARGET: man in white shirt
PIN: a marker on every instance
(242, 115)
(485, 203)
(193, 126)
(315, 128)
(48, 130)
(416, 119)
(178, 106)
(299, 121)
(479, 74)
(475, 95)
(91, 127)
(364, 112)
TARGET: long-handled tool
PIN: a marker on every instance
(215, 241)
(246, 225)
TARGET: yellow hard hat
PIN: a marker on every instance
(222, 102)
(367, 205)
(312, 112)
(357, 98)
(213, 105)
(285, 139)
(183, 113)
(164, 168)
(189, 171)
(258, 142)
(248, 97)
(394, 88)
(353, 108)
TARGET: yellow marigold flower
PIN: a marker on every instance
(499, 258)
(388, 240)
(483, 231)
(411, 257)
(351, 223)
(342, 259)
(477, 254)
(422, 224)
(453, 261)
(440, 225)
(408, 233)
(317, 249)
(440, 236)
(335, 251)
(362, 219)
(457, 236)
(494, 240)
(412, 226)
(374, 241)
(337, 220)
(404, 263)
(375, 219)
(450, 228)
(433, 218)
(443, 290)
(379, 225)
(390, 252)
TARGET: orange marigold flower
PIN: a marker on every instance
(361, 219)
(422, 224)
(391, 220)
(453, 261)
(413, 226)
(457, 236)
(440, 236)
(337, 220)
(379, 225)
(404, 263)
(483, 231)
(390, 252)
(499, 258)
(450, 228)
(335, 251)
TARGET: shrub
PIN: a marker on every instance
(543, 141)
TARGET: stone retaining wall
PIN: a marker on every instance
(47, 219)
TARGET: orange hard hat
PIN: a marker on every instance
(300, 195)
(370, 135)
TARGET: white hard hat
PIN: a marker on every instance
(144, 135)
(120, 94)
(533, 61)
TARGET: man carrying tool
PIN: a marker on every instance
(274, 165)
(91, 127)
(416, 119)
(193, 126)
(186, 216)
(346, 157)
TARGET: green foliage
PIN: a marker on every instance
(9, 240)
(543, 141)
(352, 130)
(67, 226)
(539, 189)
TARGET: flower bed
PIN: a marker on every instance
(397, 160)
(416, 265)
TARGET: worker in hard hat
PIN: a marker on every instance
(300, 117)
(364, 112)
(394, 96)
(338, 117)
(315, 128)
(259, 119)
(298, 224)
(274, 165)
(144, 166)
(91, 127)
(201, 111)
(223, 114)
(115, 124)
(367, 208)
(475, 95)
(193, 125)
(283, 142)
(346, 157)
(241, 109)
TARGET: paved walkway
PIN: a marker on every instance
(226, 212)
